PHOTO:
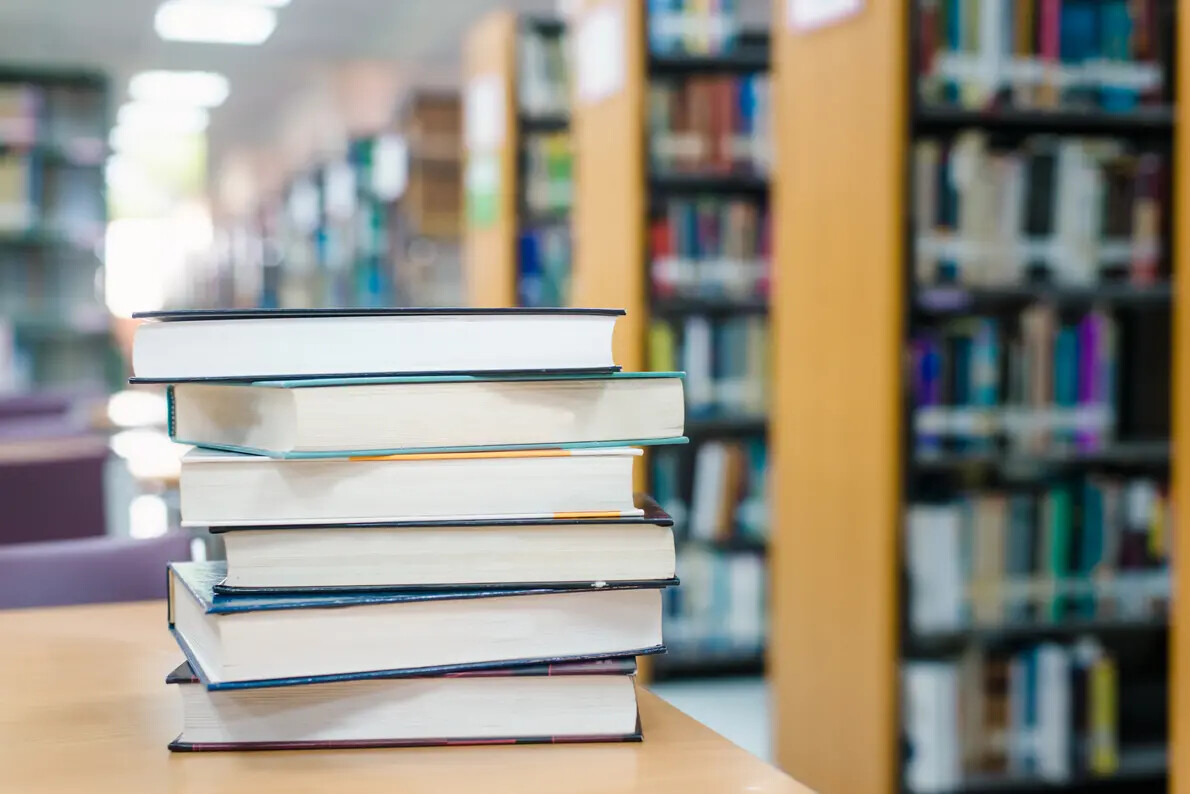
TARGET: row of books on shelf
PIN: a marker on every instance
(715, 124)
(720, 607)
(548, 173)
(710, 247)
(543, 266)
(1090, 548)
(70, 117)
(692, 28)
(1044, 714)
(727, 499)
(725, 361)
(1072, 210)
(67, 201)
(1108, 55)
(1041, 382)
(543, 77)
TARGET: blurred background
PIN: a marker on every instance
(173, 154)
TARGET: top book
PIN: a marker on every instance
(258, 344)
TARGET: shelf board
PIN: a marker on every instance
(742, 60)
(1134, 453)
(530, 123)
(536, 220)
(933, 644)
(1138, 766)
(962, 300)
(739, 183)
(1147, 122)
(741, 425)
(691, 662)
(543, 25)
(679, 306)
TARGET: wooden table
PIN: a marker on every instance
(84, 708)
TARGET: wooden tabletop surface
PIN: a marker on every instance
(84, 708)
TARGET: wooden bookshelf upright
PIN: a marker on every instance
(846, 115)
(618, 194)
(494, 223)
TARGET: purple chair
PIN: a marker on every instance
(87, 570)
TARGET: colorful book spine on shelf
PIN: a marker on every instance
(1106, 55)
(715, 124)
(543, 266)
(1083, 548)
(1076, 212)
(724, 614)
(1036, 384)
(692, 27)
(548, 173)
(725, 361)
(543, 79)
(1041, 714)
(710, 247)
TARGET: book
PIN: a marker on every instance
(322, 418)
(230, 489)
(564, 702)
(285, 639)
(577, 552)
(260, 344)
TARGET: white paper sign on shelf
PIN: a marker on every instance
(599, 51)
(804, 15)
(483, 112)
(390, 167)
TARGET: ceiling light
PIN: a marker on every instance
(162, 118)
(201, 89)
(214, 21)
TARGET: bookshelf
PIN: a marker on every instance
(54, 326)
(894, 180)
(671, 195)
(519, 162)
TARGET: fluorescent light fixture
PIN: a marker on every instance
(268, 3)
(162, 118)
(200, 89)
(214, 21)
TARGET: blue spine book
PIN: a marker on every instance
(1065, 377)
(529, 276)
(1115, 23)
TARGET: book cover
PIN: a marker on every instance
(274, 314)
(200, 579)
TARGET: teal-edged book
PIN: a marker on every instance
(329, 418)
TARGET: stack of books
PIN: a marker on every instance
(429, 520)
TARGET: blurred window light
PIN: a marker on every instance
(148, 516)
(162, 118)
(150, 454)
(134, 270)
(129, 408)
(215, 21)
(196, 89)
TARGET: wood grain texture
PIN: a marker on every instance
(1179, 663)
(840, 111)
(85, 708)
(609, 199)
(489, 253)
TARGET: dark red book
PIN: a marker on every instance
(578, 701)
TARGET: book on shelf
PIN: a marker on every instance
(544, 258)
(426, 555)
(709, 124)
(725, 361)
(563, 702)
(720, 609)
(677, 27)
(1092, 55)
(235, 344)
(321, 417)
(1077, 550)
(230, 489)
(548, 173)
(287, 639)
(543, 73)
(20, 108)
(1044, 382)
(710, 247)
(727, 498)
(1055, 210)
(19, 193)
(1042, 714)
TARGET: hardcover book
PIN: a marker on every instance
(257, 344)
(581, 701)
(313, 418)
(434, 555)
(286, 639)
